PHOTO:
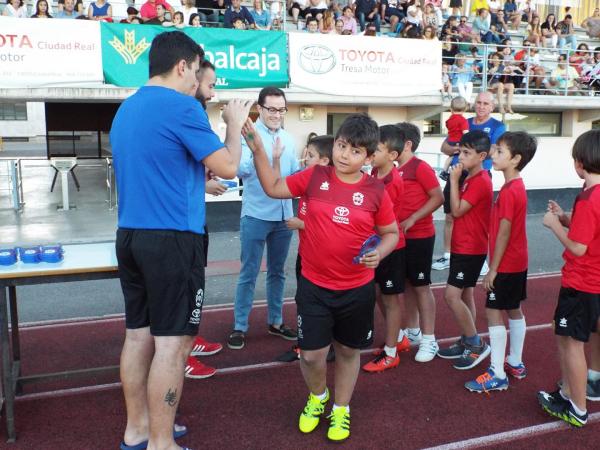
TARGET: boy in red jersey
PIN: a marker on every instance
(422, 196)
(506, 281)
(389, 275)
(577, 314)
(335, 297)
(471, 206)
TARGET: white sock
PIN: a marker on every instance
(322, 396)
(498, 344)
(428, 337)
(593, 375)
(577, 410)
(517, 340)
(413, 331)
(338, 406)
(447, 255)
(390, 351)
(400, 335)
(562, 394)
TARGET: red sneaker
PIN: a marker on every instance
(381, 362)
(195, 369)
(204, 348)
(403, 345)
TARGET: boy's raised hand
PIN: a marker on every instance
(555, 208)
(236, 112)
(551, 220)
(252, 138)
(371, 259)
(456, 172)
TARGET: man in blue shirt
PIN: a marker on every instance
(483, 121)
(160, 169)
(236, 11)
(264, 221)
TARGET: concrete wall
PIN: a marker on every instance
(34, 127)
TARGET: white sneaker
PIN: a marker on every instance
(484, 269)
(441, 264)
(414, 339)
(427, 351)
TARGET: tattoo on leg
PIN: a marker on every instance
(171, 397)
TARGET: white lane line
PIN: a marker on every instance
(111, 318)
(220, 372)
(512, 435)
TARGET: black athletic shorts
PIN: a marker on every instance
(577, 314)
(162, 278)
(418, 259)
(465, 270)
(298, 268)
(510, 289)
(326, 314)
(391, 271)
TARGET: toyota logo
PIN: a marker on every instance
(342, 211)
(316, 59)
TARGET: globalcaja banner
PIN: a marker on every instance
(243, 59)
(46, 53)
(362, 66)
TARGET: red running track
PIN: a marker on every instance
(254, 403)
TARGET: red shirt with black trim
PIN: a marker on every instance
(511, 204)
(583, 272)
(394, 186)
(340, 217)
(419, 178)
(470, 232)
(456, 126)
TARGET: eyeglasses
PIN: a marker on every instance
(272, 110)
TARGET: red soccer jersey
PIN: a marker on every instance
(340, 217)
(583, 273)
(302, 208)
(511, 205)
(419, 178)
(470, 232)
(394, 186)
(456, 125)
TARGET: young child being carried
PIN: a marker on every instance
(456, 125)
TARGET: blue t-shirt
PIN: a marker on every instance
(494, 128)
(159, 138)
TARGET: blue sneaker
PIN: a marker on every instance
(487, 382)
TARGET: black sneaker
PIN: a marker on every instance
(284, 332)
(237, 340)
(455, 351)
(592, 390)
(472, 356)
(555, 405)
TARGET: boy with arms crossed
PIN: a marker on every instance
(506, 282)
(335, 298)
(471, 205)
(577, 314)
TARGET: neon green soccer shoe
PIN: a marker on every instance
(339, 427)
(314, 409)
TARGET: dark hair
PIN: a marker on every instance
(476, 140)
(360, 131)
(392, 137)
(270, 91)
(586, 150)
(20, 2)
(411, 133)
(37, 8)
(206, 64)
(192, 17)
(311, 19)
(346, 8)
(169, 48)
(519, 143)
(324, 146)
(568, 16)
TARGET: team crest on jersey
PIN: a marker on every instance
(358, 198)
(303, 209)
(324, 186)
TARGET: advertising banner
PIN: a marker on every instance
(243, 59)
(362, 66)
(45, 53)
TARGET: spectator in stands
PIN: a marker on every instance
(566, 33)
(41, 10)
(338, 27)
(367, 11)
(236, 11)
(549, 31)
(391, 10)
(132, 15)
(411, 25)
(177, 20)
(476, 5)
(148, 9)
(511, 14)
(531, 66)
(299, 8)
(350, 23)
(462, 77)
(456, 6)
(449, 50)
(15, 8)
(430, 18)
(500, 81)
(100, 10)
(440, 7)
(429, 33)
(327, 23)
(371, 29)
(450, 28)
(494, 6)
(160, 18)
(527, 9)
(262, 18)
(208, 10)
(592, 73)
(194, 21)
(316, 8)
(563, 77)
(312, 25)
(481, 25)
(580, 57)
(188, 8)
(592, 24)
(78, 7)
(467, 34)
(534, 31)
(68, 10)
